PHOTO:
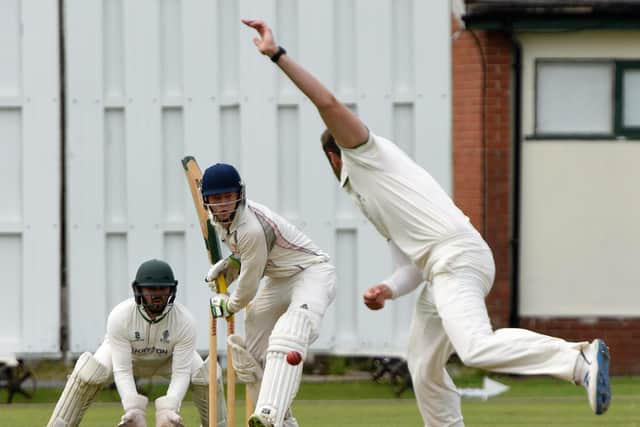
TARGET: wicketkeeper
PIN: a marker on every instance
(297, 286)
(147, 335)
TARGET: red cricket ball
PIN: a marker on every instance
(293, 358)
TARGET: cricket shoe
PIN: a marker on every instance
(257, 420)
(596, 378)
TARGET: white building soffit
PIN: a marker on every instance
(545, 9)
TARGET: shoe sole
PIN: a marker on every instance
(602, 385)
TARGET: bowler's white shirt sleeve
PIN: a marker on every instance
(182, 358)
(406, 276)
(118, 325)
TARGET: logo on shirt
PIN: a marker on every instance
(165, 337)
(137, 336)
(150, 350)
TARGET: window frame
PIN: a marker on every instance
(618, 131)
(619, 128)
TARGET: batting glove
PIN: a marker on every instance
(229, 267)
(220, 306)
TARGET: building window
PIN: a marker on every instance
(587, 99)
(628, 96)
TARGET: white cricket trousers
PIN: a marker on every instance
(313, 287)
(451, 316)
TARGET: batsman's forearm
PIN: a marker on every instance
(249, 280)
(243, 294)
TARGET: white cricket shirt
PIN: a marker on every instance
(404, 202)
(267, 245)
(136, 342)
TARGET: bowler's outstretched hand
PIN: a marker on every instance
(266, 43)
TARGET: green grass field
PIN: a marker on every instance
(530, 402)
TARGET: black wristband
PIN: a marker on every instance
(281, 51)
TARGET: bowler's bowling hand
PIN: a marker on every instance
(375, 296)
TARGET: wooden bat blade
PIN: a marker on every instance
(193, 174)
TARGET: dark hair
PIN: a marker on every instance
(329, 144)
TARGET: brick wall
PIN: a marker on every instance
(482, 161)
(481, 64)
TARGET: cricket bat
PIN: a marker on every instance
(212, 244)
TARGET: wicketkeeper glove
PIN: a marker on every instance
(220, 306)
(133, 418)
(229, 267)
(135, 406)
(167, 412)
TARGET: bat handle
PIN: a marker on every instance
(221, 284)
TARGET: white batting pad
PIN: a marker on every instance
(81, 388)
(248, 370)
(291, 332)
(281, 380)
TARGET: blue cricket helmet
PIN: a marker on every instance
(220, 178)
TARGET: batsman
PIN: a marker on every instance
(147, 335)
(289, 282)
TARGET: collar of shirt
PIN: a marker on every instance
(238, 220)
(344, 176)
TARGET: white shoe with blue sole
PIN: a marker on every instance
(596, 380)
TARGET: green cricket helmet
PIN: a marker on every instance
(154, 273)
